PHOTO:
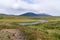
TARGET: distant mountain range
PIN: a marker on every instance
(33, 14)
(2, 14)
(27, 14)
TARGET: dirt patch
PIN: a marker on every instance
(11, 34)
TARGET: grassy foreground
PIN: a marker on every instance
(41, 31)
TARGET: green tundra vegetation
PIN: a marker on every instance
(42, 31)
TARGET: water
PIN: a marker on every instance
(27, 23)
(31, 23)
(42, 21)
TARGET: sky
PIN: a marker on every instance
(18, 7)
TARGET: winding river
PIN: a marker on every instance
(31, 23)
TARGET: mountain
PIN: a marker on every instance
(2, 14)
(43, 14)
(29, 14)
(33, 14)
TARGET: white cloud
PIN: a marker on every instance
(18, 6)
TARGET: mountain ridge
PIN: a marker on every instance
(34, 14)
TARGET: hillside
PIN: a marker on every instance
(34, 14)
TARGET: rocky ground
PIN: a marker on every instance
(11, 34)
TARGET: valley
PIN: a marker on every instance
(48, 30)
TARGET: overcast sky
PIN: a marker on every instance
(17, 7)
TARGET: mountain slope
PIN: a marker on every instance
(43, 14)
(29, 14)
(33, 14)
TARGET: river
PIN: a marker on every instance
(31, 23)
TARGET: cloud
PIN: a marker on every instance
(39, 6)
